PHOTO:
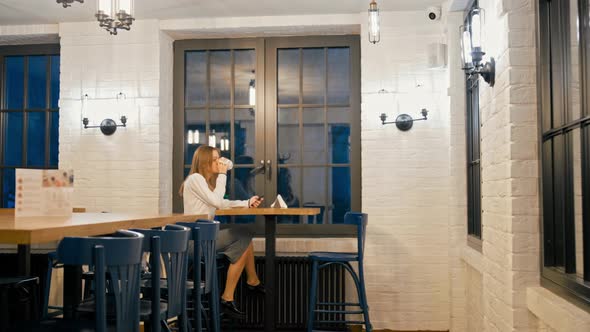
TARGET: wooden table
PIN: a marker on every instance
(24, 231)
(270, 215)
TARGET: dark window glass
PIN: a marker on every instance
(54, 81)
(36, 139)
(15, 82)
(54, 140)
(13, 140)
(37, 82)
(8, 190)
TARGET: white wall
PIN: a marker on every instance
(406, 176)
(130, 170)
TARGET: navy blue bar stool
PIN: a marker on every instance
(323, 259)
(205, 237)
(119, 256)
(171, 246)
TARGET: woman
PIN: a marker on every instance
(202, 193)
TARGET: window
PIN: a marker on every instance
(565, 144)
(29, 115)
(285, 110)
(472, 127)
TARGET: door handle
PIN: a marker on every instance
(268, 170)
(259, 170)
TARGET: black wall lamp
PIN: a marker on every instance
(472, 50)
(107, 126)
(404, 122)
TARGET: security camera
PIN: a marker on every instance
(433, 13)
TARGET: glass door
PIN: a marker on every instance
(313, 125)
(285, 110)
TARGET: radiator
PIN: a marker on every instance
(293, 284)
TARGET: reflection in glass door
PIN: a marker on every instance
(285, 110)
(316, 132)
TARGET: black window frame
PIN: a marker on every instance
(472, 133)
(558, 255)
(25, 50)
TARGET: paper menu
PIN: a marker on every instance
(44, 192)
(279, 203)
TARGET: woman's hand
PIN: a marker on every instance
(255, 201)
(221, 167)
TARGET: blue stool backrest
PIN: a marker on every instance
(171, 244)
(208, 231)
(120, 255)
(360, 220)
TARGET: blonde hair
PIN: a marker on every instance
(202, 162)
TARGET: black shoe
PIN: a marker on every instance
(258, 288)
(231, 309)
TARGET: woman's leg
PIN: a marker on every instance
(250, 267)
(233, 276)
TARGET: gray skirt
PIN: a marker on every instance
(232, 242)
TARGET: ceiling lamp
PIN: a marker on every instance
(68, 3)
(374, 33)
(113, 15)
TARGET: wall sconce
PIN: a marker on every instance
(404, 122)
(212, 139)
(192, 137)
(224, 143)
(107, 126)
(68, 3)
(374, 24)
(472, 50)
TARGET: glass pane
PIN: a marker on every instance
(338, 75)
(196, 78)
(578, 208)
(220, 89)
(195, 130)
(15, 80)
(574, 111)
(314, 192)
(36, 139)
(8, 192)
(245, 77)
(54, 139)
(37, 83)
(55, 81)
(288, 136)
(288, 186)
(288, 76)
(245, 135)
(13, 141)
(220, 131)
(339, 135)
(314, 75)
(314, 136)
(339, 194)
(243, 183)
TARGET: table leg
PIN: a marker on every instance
(72, 289)
(24, 259)
(269, 273)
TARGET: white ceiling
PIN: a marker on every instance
(48, 11)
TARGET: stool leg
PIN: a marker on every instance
(47, 286)
(312, 295)
(215, 301)
(364, 303)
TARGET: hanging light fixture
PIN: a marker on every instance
(374, 29)
(224, 143)
(68, 3)
(113, 15)
(196, 136)
(472, 49)
(212, 139)
(190, 137)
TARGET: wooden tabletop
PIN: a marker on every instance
(28, 230)
(268, 212)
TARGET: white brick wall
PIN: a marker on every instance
(405, 176)
(126, 171)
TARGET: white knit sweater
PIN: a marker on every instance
(199, 199)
